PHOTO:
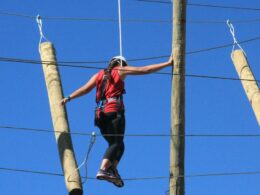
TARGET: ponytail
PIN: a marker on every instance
(108, 70)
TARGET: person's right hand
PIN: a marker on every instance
(170, 61)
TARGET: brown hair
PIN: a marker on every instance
(108, 70)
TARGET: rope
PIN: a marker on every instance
(205, 5)
(39, 22)
(56, 18)
(143, 178)
(100, 68)
(232, 31)
(223, 6)
(120, 31)
(135, 135)
(85, 162)
(132, 60)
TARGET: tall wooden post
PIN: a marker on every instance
(59, 119)
(177, 149)
(251, 88)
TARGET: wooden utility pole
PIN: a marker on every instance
(59, 119)
(248, 81)
(178, 99)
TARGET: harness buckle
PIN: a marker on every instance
(100, 104)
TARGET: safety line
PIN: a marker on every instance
(206, 5)
(132, 135)
(256, 20)
(83, 19)
(222, 46)
(139, 178)
(85, 162)
(223, 6)
(133, 59)
(120, 32)
(50, 63)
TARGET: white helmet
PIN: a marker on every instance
(119, 59)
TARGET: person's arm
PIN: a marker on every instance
(132, 70)
(82, 90)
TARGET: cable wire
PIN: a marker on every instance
(132, 135)
(3, 59)
(223, 46)
(53, 18)
(205, 5)
(223, 6)
(140, 178)
(133, 59)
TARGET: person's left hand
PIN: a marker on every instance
(64, 101)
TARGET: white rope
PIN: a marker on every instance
(39, 22)
(120, 31)
(232, 31)
(91, 144)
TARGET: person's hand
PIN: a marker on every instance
(64, 101)
(170, 61)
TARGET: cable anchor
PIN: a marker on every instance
(236, 43)
(39, 22)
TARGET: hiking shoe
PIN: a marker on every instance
(106, 175)
(118, 182)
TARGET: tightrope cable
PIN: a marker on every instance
(139, 178)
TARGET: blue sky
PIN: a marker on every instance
(212, 106)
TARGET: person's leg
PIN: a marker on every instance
(115, 126)
(104, 126)
(114, 135)
(119, 140)
(120, 147)
(106, 164)
(104, 173)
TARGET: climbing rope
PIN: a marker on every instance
(120, 31)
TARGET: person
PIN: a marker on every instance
(110, 111)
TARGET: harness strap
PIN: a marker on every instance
(103, 100)
(102, 103)
(103, 88)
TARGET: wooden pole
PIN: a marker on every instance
(178, 99)
(251, 88)
(59, 119)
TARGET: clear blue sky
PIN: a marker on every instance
(212, 106)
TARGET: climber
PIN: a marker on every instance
(110, 112)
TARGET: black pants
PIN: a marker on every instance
(113, 123)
